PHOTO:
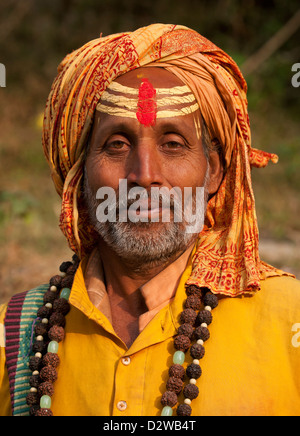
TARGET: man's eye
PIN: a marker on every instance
(173, 145)
(116, 145)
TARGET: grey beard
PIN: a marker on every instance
(141, 244)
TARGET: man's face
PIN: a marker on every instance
(148, 146)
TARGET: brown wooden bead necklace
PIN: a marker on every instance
(49, 332)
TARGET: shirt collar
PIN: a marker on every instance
(157, 292)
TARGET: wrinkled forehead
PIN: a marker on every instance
(147, 94)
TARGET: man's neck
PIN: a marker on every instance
(130, 290)
(124, 278)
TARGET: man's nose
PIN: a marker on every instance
(145, 168)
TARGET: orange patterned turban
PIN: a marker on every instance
(227, 257)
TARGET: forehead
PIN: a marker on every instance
(148, 94)
(159, 78)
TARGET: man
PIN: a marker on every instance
(157, 111)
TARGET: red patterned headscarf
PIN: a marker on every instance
(227, 256)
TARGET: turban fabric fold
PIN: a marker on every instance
(227, 257)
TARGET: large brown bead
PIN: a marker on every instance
(64, 266)
(186, 329)
(40, 329)
(182, 343)
(204, 316)
(67, 281)
(184, 410)
(35, 363)
(197, 351)
(188, 316)
(56, 281)
(194, 290)
(193, 302)
(169, 398)
(177, 370)
(56, 333)
(46, 388)
(51, 359)
(202, 333)
(57, 319)
(48, 373)
(191, 391)
(211, 300)
(61, 305)
(174, 384)
(44, 312)
(34, 381)
(193, 371)
(49, 297)
(32, 398)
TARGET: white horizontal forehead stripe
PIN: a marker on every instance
(131, 103)
(176, 90)
(120, 112)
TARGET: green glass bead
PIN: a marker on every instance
(178, 357)
(167, 411)
(52, 347)
(65, 293)
(45, 402)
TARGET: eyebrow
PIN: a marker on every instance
(113, 125)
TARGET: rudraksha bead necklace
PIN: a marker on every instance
(194, 323)
(49, 332)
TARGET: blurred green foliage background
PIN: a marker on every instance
(36, 34)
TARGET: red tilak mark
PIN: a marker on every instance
(146, 113)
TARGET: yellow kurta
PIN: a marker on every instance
(251, 363)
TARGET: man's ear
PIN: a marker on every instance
(216, 171)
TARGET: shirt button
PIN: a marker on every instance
(126, 360)
(122, 405)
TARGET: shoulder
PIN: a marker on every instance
(284, 285)
(22, 306)
(281, 297)
(33, 296)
